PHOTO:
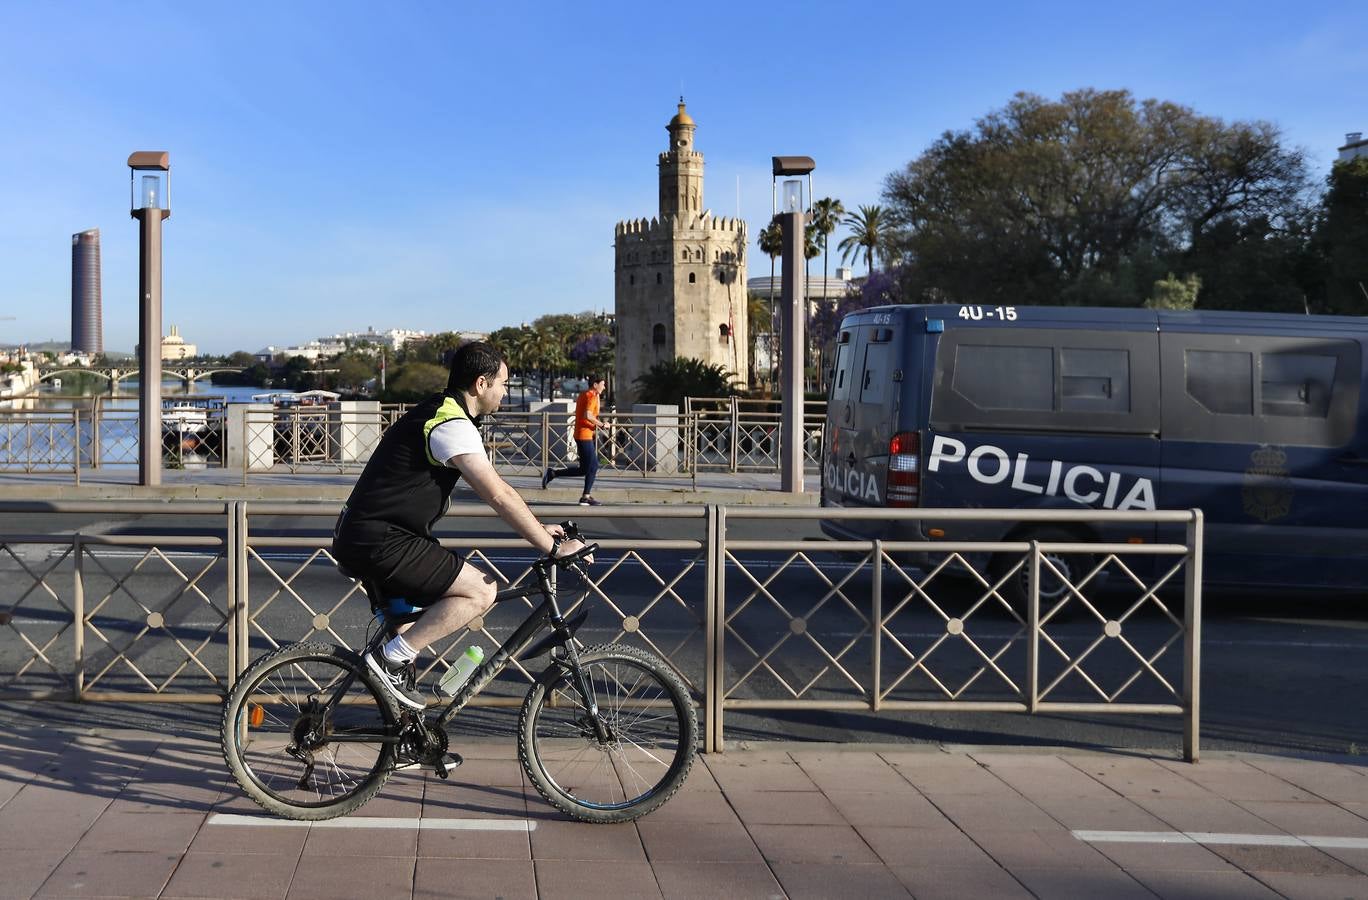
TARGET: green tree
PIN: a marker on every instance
(240, 358)
(1341, 241)
(354, 369)
(1175, 293)
(826, 215)
(867, 235)
(414, 381)
(671, 381)
(1048, 201)
(759, 320)
(1253, 265)
(435, 349)
(771, 243)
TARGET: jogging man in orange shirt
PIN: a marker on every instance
(586, 421)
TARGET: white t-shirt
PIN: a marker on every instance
(454, 437)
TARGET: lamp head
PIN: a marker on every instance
(150, 182)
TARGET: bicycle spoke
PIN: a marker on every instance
(282, 724)
(644, 735)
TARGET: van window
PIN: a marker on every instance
(1005, 377)
(1297, 384)
(1222, 381)
(1046, 380)
(1295, 391)
(840, 380)
(1094, 380)
(877, 375)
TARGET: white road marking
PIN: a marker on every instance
(523, 825)
(1217, 838)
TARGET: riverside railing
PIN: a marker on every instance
(727, 436)
(754, 612)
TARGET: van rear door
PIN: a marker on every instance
(863, 409)
(840, 421)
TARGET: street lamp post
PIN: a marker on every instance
(150, 202)
(793, 302)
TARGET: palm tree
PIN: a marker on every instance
(757, 311)
(670, 381)
(826, 215)
(866, 233)
(771, 241)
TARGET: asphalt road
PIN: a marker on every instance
(1280, 673)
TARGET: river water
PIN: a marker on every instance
(37, 431)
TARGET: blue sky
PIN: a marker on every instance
(460, 166)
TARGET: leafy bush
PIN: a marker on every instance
(671, 381)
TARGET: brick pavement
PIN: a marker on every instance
(105, 813)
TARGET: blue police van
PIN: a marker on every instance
(1257, 419)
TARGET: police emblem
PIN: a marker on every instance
(1267, 491)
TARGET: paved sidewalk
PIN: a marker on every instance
(132, 814)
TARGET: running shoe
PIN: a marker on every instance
(398, 680)
(546, 477)
(586, 500)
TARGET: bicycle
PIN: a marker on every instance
(607, 733)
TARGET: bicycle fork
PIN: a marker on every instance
(602, 732)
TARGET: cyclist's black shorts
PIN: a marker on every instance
(403, 564)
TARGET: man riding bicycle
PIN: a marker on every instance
(384, 534)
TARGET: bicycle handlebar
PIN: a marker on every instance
(573, 560)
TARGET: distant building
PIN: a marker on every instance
(394, 339)
(680, 276)
(335, 344)
(87, 323)
(1354, 147)
(175, 347)
(832, 290)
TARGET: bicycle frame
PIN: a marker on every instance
(548, 612)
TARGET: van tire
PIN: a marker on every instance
(1073, 565)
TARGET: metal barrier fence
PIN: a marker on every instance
(96, 437)
(33, 442)
(737, 434)
(750, 622)
(724, 436)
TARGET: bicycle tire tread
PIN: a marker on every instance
(303, 650)
(601, 817)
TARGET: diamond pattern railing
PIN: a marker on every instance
(749, 624)
(306, 440)
(119, 439)
(918, 626)
(37, 619)
(735, 434)
(39, 442)
(155, 619)
(630, 443)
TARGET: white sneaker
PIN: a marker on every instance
(397, 680)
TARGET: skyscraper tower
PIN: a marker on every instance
(87, 321)
(680, 277)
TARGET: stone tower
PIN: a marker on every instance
(679, 277)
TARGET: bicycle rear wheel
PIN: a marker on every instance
(653, 734)
(296, 752)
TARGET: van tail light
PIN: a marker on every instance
(904, 469)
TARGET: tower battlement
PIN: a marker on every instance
(645, 229)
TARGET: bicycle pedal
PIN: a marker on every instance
(447, 764)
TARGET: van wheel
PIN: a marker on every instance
(1016, 590)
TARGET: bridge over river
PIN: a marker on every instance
(115, 374)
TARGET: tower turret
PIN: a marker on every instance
(681, 169)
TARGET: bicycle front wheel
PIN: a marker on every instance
(307, 735)
(652, 734)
